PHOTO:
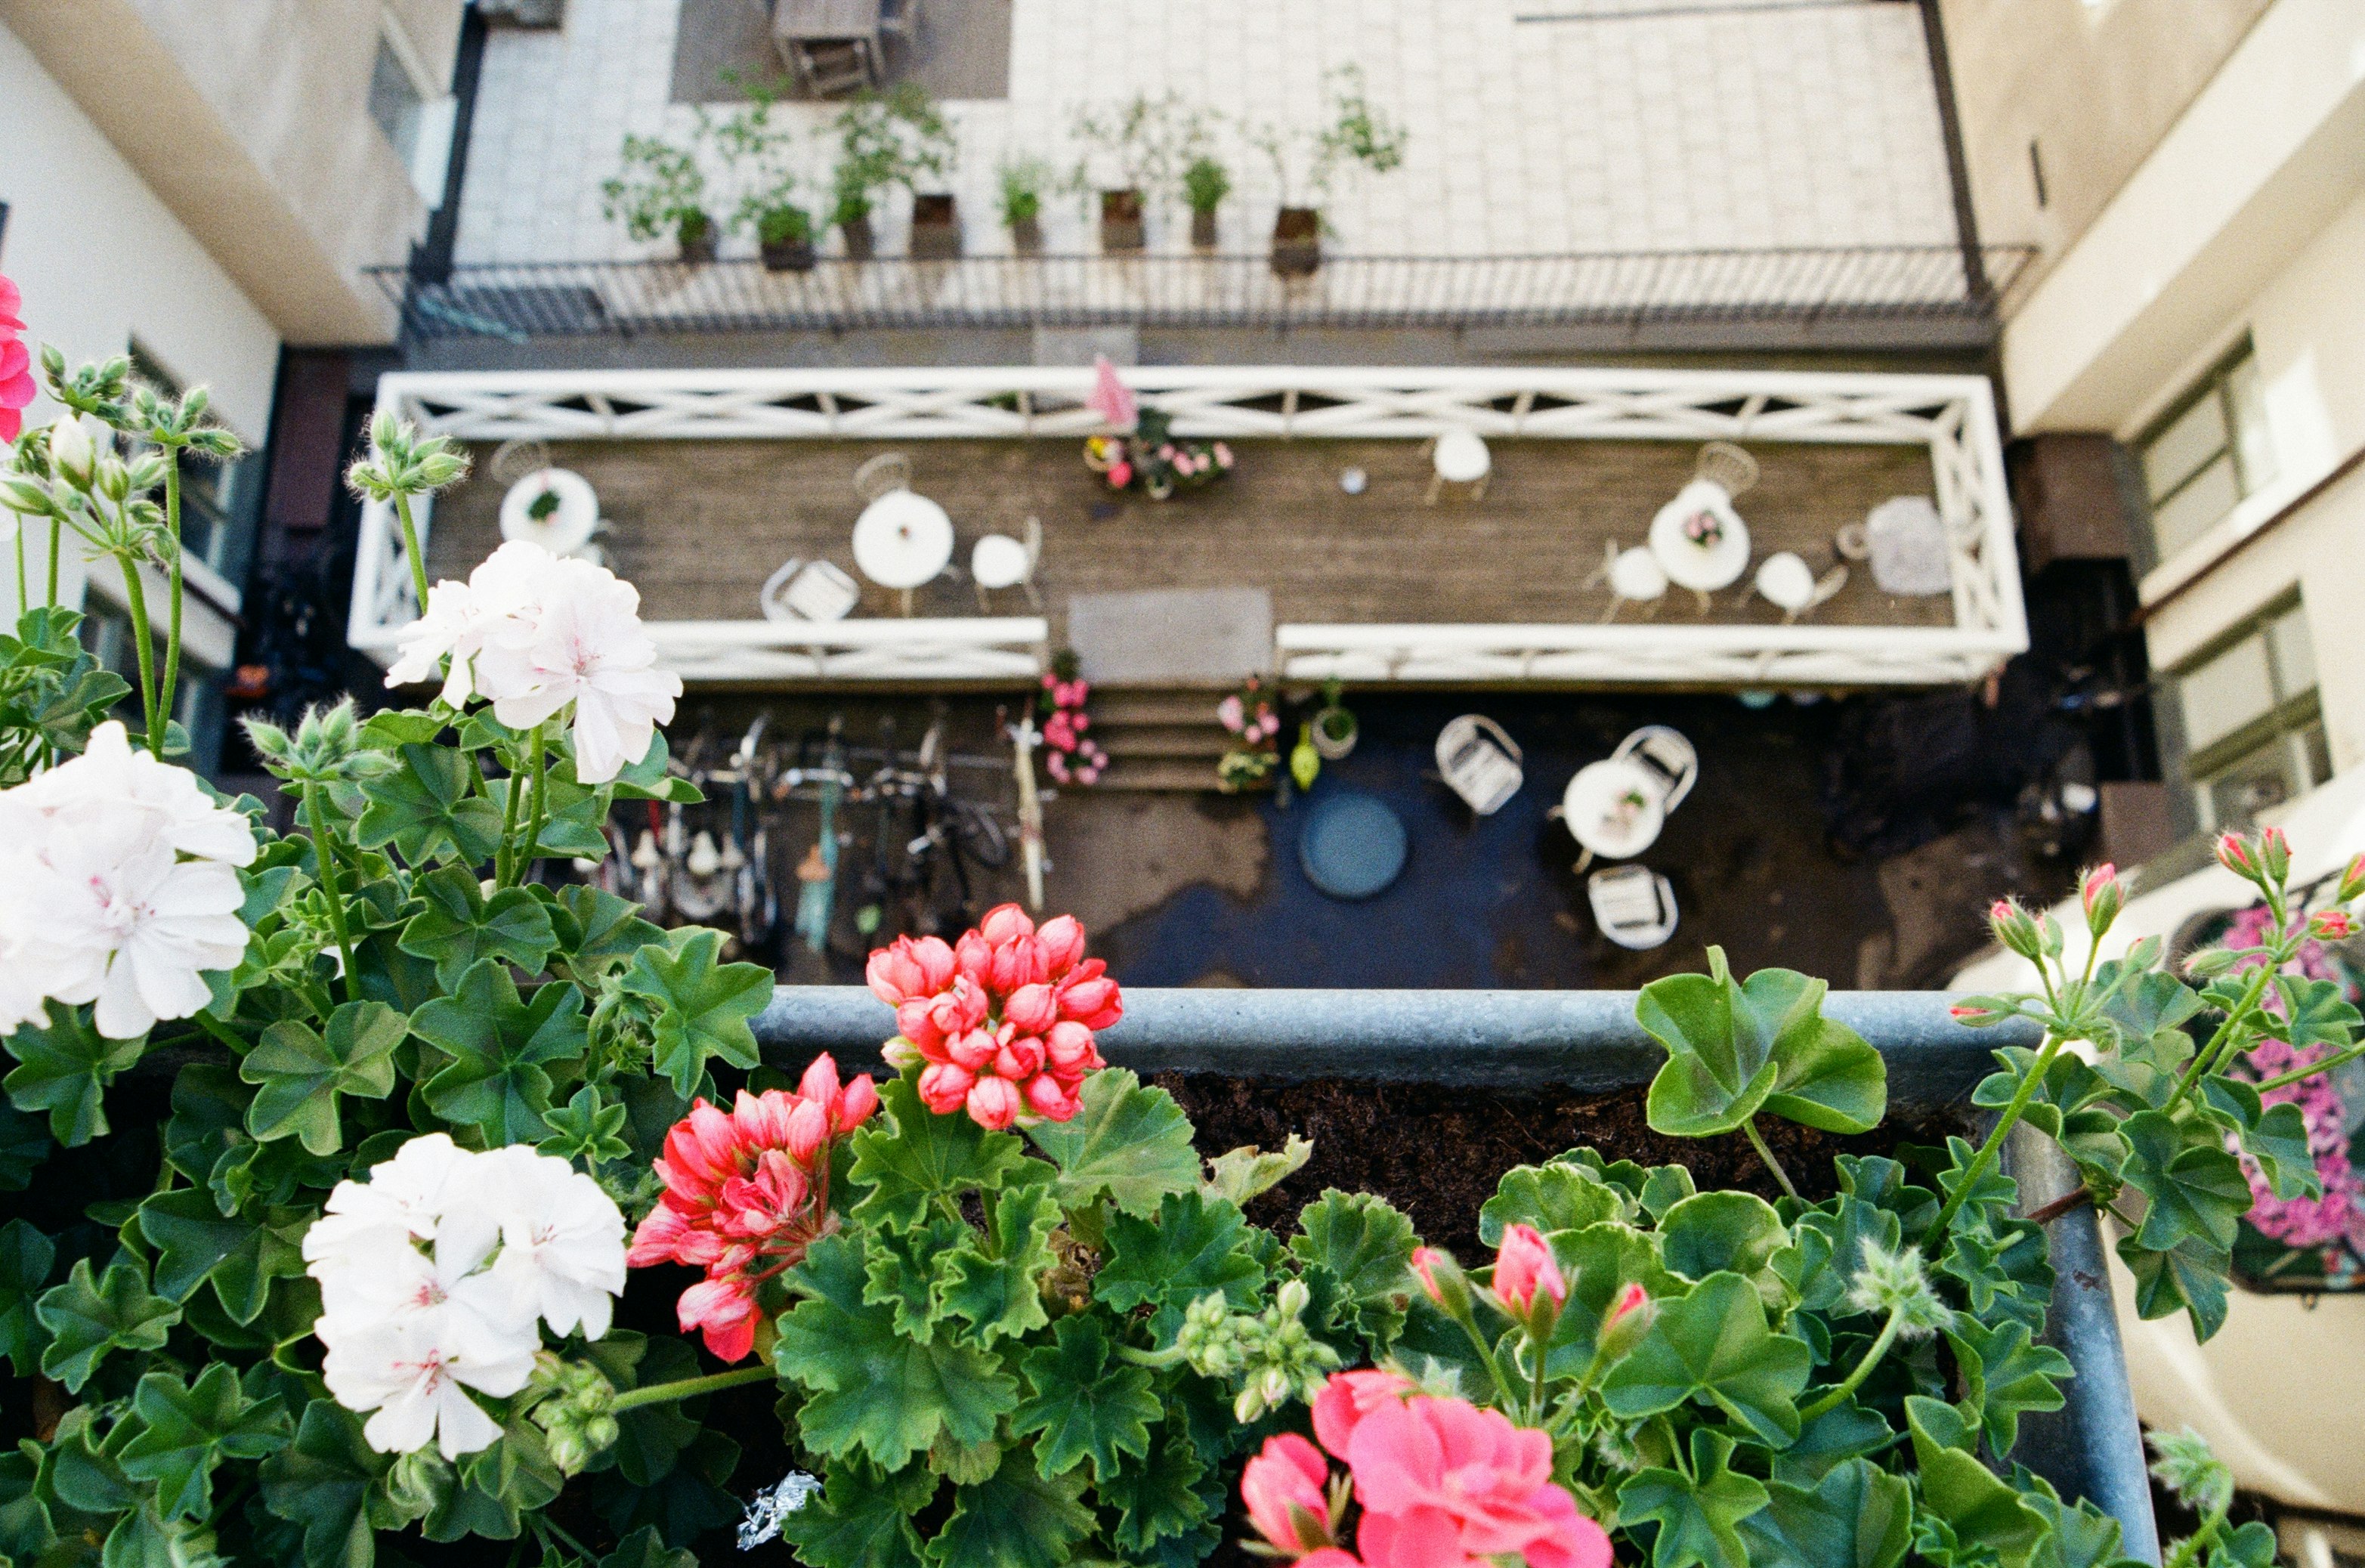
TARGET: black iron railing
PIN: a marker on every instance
(1908, 293)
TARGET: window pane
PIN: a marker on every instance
(2208, 497)
(2176, 453)
(2294, 653)
(2253, 443)
(2227, 692)
(2259, 780)
(2315, 753)
(394, 102)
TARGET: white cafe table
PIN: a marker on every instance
(902, 540)
(565, 529)
(1613, 809)
(1703, 568)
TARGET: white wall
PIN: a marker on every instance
(101, 262)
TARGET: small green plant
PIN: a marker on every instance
(761, 152)
(889, 138)
(661, 189)
(1021, 181)
(1205, 184)
(1307, 163)
(1144, 144)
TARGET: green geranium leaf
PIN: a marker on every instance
(1245, 1174)
(323, 1481)
(1367, 1245)
(1713, 1345)
(1734, 1047)
(500, 1046)
(1857, 1515)
(1558, 1196)
(1957, 1489)
(1197, 1246)
(863, 1518)
(2196, 1191)
(645, 1548)
(192, 1428)
(2248, 1546)
(1018, 1519)
(1699, 1515)
(299, 1073)
(2083, 1536)
(2316, 1013)
(208, 1122)
(1157, 1497)
(1721, 1232)
(461, 927)
(588, 1130)
(1598, 1262)
(427, 808)
(911, 1157)
(2275, 1135)
(905, 1269)
(2003, 1374)
(992, 1288)
(26, 1258)
(87, 1318)
(870, 1388)
(65, 1070)
(2067, 1108)
(1846, 1431)
(1827, 1250)
(702, 1006)
(1128, 1142)
(600, 932)
(24, 1144)
(195, 1243)
(1085, 1402)
(2190, 1276)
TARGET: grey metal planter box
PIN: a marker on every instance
(1590, 1041)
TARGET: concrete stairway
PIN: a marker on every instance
(1158, 740)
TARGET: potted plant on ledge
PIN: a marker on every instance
(1205, 184)
(661, 190)
(759, 153)
(935, 228)
(886, 139)
(1136, 149)
(1021, 181)
(1308, 162)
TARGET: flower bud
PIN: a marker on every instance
(1527, 1284)
(1442, 1279)
(2208, 963)
(1628, 1320)
(2238, 855)
(2102, 895)
(2330, 925)
(2274, 856)
(2015, 928)
(71, 451)
(2352, 881)
(1897, 1282)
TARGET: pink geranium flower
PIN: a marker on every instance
(1007, 1034)
(746, 1192)
(1524, 1266)
(1282, 1488)
(1444, 1481)
(17, 388)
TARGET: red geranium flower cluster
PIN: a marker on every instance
(1004, 1018)
(745, 1192)
(1442, 1484)
(15, 364)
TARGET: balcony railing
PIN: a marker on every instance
(1879, 294)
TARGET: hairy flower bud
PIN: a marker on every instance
(1897, 1282)
(71, 451)
(2330, 925)
(2274, 856)
(2102, 894)
(2208, 963)
(2238, 855)
(1978, 1012)
(1628, 1320)
(2015, 928)
(1442, 1279)
(2352, 881)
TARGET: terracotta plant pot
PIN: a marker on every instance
(787, 255)
(935, 229)
(1203, 230)
(859, 240)
(1027, 236)
(1297, 241)
(1121, 221)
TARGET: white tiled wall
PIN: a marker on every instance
(1667, 128)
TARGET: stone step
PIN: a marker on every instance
(1172, 775)
(1161, 740)
(1145, 707)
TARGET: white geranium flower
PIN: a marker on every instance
(450, 619)
(584, 645)
(402, 1200)
(502, 597)
(415, 1372)
(562, 1240)
(124, 923)
(111, 778)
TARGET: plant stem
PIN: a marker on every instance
(2297, 1074)
(2189, 1548)
(1855, 1380)
(1153, 1360)
(143, 650)
(410, 550)
(173, 612)
(504, 860)
(57, 544)
(688, 1388)
(1757, 1142)
(1537, 1412)
(1988, 1150)
(533, 822)
(568, 1541)
(2222, 1038)
(318, 821)
(24, 589)
(1486, 1351)
(2077, 1197)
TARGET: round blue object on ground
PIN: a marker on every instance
(1353, 845)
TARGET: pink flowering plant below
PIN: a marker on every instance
(372, 1192)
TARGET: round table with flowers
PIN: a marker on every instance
(1700, 540)
(1613, 809)
(902, 540)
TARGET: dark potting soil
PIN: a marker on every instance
(1437, 1151)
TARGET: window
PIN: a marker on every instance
(2211, 451)
(2253, 729)
(417, 119)
(396, 101)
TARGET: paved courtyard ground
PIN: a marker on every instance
(1535, 125)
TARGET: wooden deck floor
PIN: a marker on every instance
(698, 525)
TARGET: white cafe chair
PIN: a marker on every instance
(807, 590)
(1459, 458)
(1634, 576)
(883, 475)
(998, 561)
(1480, 763)
(1635, 906)
(1667, 757)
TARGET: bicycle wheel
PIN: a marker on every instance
(980, 835)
